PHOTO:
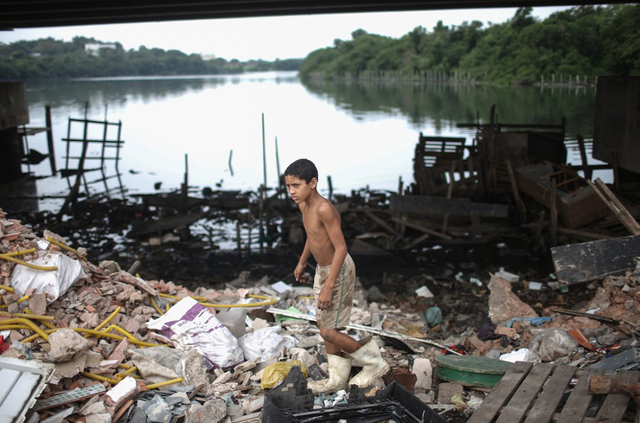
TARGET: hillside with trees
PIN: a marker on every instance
(586, 40)
(50, 58)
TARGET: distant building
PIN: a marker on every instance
(94, 49)
(207, 56)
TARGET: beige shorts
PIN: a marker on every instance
(337, 316)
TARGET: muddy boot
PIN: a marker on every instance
(373, 365)
(339, 369)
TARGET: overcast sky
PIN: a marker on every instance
(266, 38)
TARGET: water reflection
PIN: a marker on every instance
(360, 134)
(439, 104)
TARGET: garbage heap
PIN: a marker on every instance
(115, 347)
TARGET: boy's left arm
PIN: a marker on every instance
(331, 221)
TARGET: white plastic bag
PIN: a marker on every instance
(265, 343)
(191, 325)
(553, 343)
(54, 283)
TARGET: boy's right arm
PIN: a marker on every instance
(302, 264)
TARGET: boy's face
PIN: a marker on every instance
(299, 189)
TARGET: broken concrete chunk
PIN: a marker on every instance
(157, 364)
(247, 365)
(99, 418)
(504, 304)
(193, 369)
(38, 304)
(213, 411)
(69, 368)
(223, 378)
(96, 408)
(109, 266)
(65, 345)
(122, 392)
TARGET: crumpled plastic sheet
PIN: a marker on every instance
(265, 343)
(51, 282)
(551, 344)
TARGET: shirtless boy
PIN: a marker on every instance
(333, 284)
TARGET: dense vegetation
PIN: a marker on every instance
(49, 58)
(585, 40)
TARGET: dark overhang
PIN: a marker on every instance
(49, 13)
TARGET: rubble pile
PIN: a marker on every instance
(134, 350)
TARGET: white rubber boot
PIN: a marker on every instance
(373, 365)
(339, 369)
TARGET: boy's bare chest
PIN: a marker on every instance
(312, 224)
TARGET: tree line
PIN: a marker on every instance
(50, 58)
(586, 41)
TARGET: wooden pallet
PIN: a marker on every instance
(533, 393)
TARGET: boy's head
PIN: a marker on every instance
(302, 169)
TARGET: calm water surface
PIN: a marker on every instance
(360, 134)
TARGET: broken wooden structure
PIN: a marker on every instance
(536, 393)
(107, 150)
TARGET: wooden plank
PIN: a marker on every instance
(595, 259)
(517, 408)
(614, 406)
(438, 205)
(501, 393)
(426, 230)
(623, 214)
(546, 404)
(576, 406)
(416, 242)
(383, 224)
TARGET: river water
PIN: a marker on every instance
(359, 134)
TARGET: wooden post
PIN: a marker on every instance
(73, 193)
(261, 221)
(264, 156)
(445, 222)
(583, 157)
(553, 211)
(238, 239)
(522, 210)
(280, 186)
(262, 188)
(52, 154)
(185, 186)
(249, 228)
(330, 188)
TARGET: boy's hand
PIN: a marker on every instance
(299, 274)
(324, 299)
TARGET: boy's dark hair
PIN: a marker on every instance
(303, 169)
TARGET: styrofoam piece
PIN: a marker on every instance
(507, 276)
(522, 354)
(535, 286)
(423, 291)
